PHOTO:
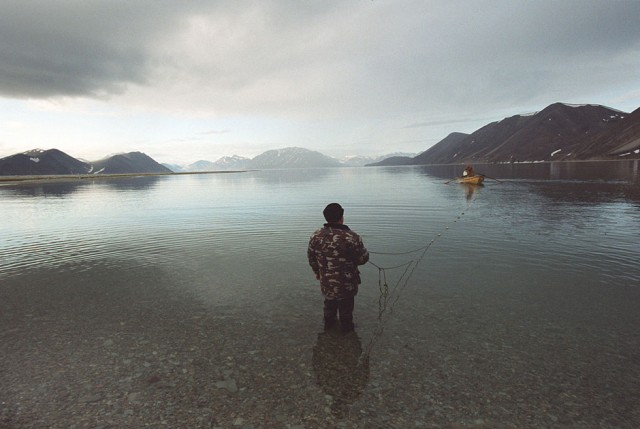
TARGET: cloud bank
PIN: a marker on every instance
(401, 62)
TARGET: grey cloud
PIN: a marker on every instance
(215, 132)
(78, 48)
(313, 58)
(434, 123)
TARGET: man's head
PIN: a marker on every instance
(333, 213)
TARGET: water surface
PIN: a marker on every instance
(514, 303)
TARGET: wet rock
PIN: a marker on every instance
(153, 379)
(229, 384)
(134, 398)
(95, 397)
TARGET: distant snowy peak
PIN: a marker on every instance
(34, 152)
(595, 105)
(292, 157)
(356, 161)
(580, 112)
(233, 158)
(360, 161)
(578, 105)
(233, 162)
(226, 163)
(611, 112)
(201, 165)
(289, 157)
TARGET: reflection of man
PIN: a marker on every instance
(469, 190)
(334, 254)
(342, 371)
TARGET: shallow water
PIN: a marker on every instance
(517, 305)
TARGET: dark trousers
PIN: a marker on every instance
(342, 306)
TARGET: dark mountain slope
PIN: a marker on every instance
(544, 136)
(391, 161)
(622, 139)
(552, 130)
(440, 152)
(42, 162)
(127, 163)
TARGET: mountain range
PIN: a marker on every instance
(291, 157)
(55, 162)
(39, 162)
(560, 132)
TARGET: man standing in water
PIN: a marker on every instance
(334, 254)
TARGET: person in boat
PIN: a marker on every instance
(334, 253)
(468, 171)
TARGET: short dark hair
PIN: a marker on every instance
(333, 212)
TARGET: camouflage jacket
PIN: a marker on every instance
(334, 254)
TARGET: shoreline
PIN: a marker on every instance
(66, 177)
(516, 163)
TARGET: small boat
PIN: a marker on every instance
(476, 179)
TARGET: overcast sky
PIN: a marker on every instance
(190, 80)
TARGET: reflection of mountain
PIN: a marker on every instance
(601, 171)
(135, 183)
(291, 175)
(590, 194)
(582, 180)
(446, 172)
(60, 188)
(342, 370)
(42, 188)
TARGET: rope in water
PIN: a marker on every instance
(385, 301)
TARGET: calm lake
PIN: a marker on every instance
(187, 300)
